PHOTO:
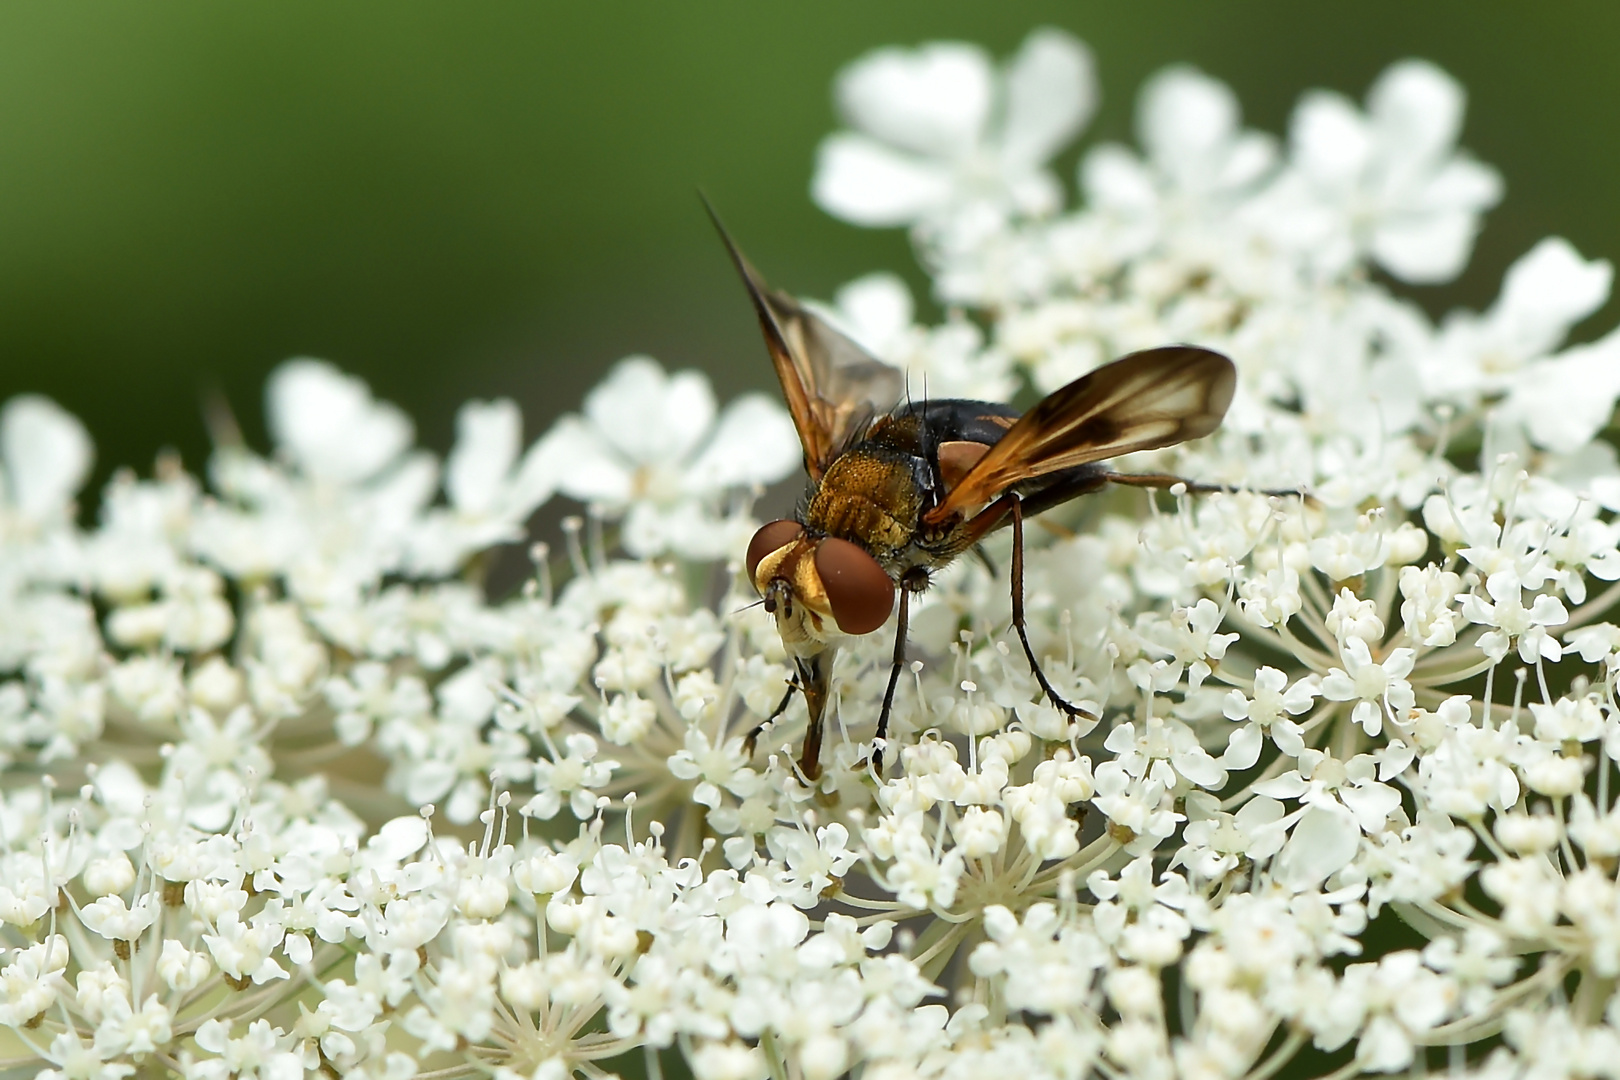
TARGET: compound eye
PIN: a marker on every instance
(772, 536)
(858, 591)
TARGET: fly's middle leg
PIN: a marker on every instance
(915, 580)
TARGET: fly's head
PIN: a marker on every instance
(817, 587)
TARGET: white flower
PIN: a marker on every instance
(1386, 182)
(939, 130)
(1267, 713)
(1387, 1003)
(1477, 960)
(876, 311)
(1427, 611)
(1340, 800)
(1215, 840)
(329, 425)
(1544, 294)
(492, 492)
(112, 918)
(574, 776)
(649, 446)
(1515, 624)
(1199, 160)
(714, 767)
(1377, 688)
(1164, 749)
(45, 453)
(209, 692)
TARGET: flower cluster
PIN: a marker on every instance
(284, 790)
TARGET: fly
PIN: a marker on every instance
(897, 490)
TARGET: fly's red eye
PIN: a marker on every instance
(858, 590)
(771, 536)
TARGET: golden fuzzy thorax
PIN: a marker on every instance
(868, 495)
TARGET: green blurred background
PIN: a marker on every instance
(477, 200)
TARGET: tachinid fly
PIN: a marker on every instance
(900, 489)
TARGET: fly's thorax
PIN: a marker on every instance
(874, 497)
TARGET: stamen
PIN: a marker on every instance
(572, 526)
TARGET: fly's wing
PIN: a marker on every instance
(831, 384)
(1143, 401)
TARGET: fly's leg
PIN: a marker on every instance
(815, 679)
(984, 558)
(752, 737)
(1015, 511)
(1166, 481)
(915, 580)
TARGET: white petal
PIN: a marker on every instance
(1289, 785)
(1252, 155)
(755, 443)
(429, 781)
(933, 100)
(649, 416)
(1051, 93)
(1369, 716)
(1546, 291)
(1384, 1046)
(684, 529)
(46, 452)
(1113, 178)
(1330, 140)
(1371, 804)
(1323, 843)
(1566, 401)
(648, 530)
(1285, 734)
(595, 473)
(1258, 811)
(538, 475)
(1417, 108)
(1395, 759)
(1463, 184)
(1243, 748)
(866, 183)
(1427, 249)
(1184, 117)
(298, 948)
(1196, 765)
(391, 504)
(488, 434)
(876, 310)
(330, 425)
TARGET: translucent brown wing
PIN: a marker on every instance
(1143, 401)
(831, 384)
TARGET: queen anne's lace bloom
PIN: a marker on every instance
(286, 792)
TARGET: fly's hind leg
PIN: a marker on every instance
(1016, 513)
(1168, 481)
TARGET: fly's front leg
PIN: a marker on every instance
(752, 738)
(915, 580)
(815, 681)
(1016, 512)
